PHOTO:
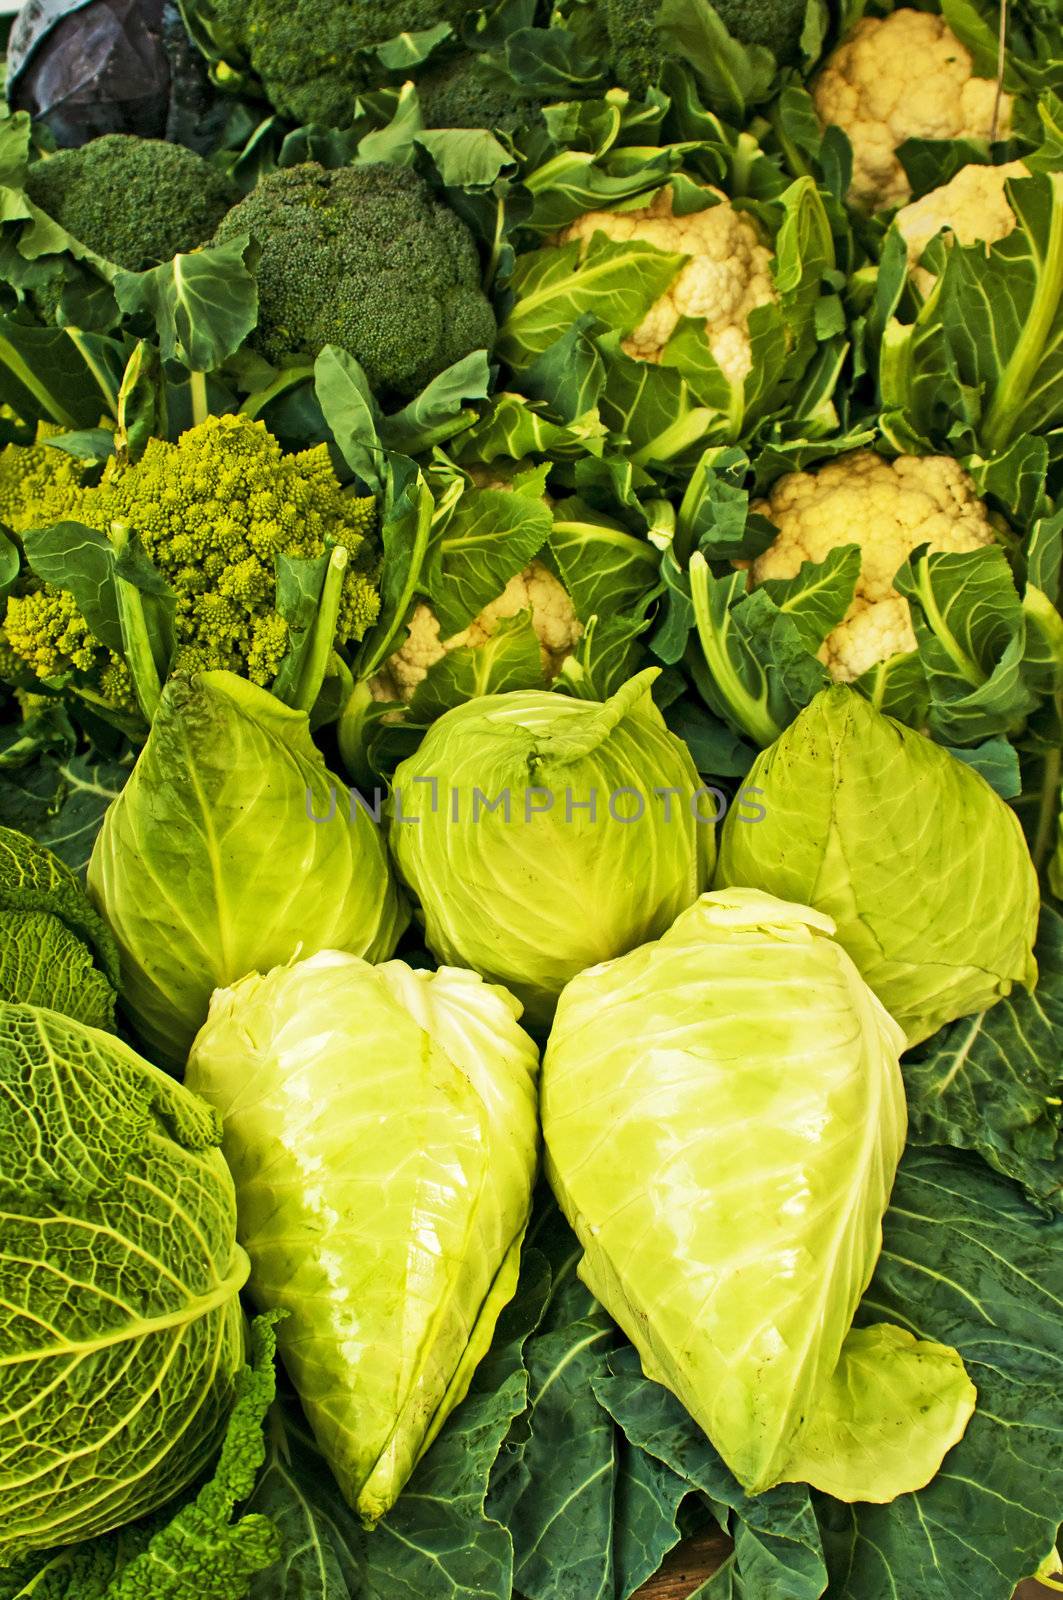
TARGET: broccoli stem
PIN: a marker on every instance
(136, 640)
(323, 633)
(197, 390)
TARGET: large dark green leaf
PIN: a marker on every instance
(994, 1082)
(59, 374)
(555, 1490)
(966, 1261)
(60, 801)
(777, 1544)
(203, 305)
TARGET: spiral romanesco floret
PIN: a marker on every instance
(38, 482)
(213, 512)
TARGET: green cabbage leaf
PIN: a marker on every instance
(55, 950)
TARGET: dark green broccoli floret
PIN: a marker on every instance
(463, 92)
(307, 54)
(366, 258)
(135, 201)
(636, 51)
(776, 24)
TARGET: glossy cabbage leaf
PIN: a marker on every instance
(922, 867)
(892, 1408)
(121, 1334)
(230, 849)
(666, 1064)
(55, 949)
(380, 1123)
(531, 803)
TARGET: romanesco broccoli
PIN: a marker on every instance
(38, 482)
(368, 259)
(213, 512)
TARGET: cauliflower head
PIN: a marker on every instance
(727, 276)
(213, 512)
(888, 508)
(366, 258)
(905, 76)
(972, 206)
(535, 589)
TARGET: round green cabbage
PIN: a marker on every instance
(121, 1333)
(723, 1113)
(921, 865)
(230, 850)
(381, 1126)
(531, 897)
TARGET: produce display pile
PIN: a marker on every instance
(531, 850)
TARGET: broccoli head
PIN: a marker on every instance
(312, 57)
(775, 24)
(462, 92)
(135, 201)
(368, 259)
(213, 511)
(636, 50)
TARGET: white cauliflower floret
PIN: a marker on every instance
(888, 508)
(972, 206)
(905, 76)
(727, 276)
(535, 589)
